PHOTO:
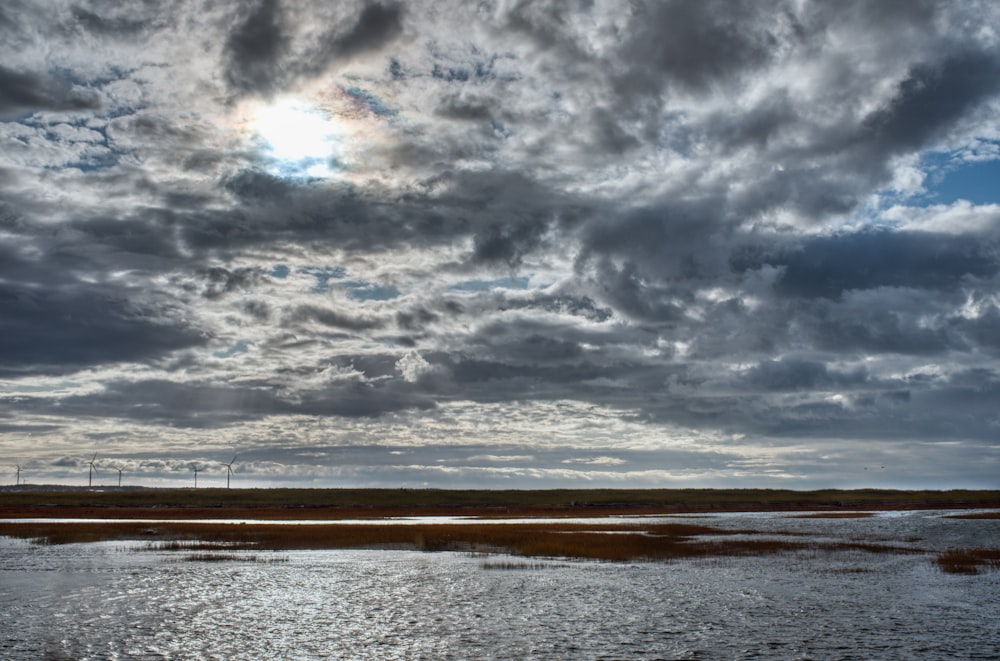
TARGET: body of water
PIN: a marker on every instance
(123, 601)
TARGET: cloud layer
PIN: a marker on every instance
(535, 244)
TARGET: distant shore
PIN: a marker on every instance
(335, 504)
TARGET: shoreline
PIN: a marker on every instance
(334, 514)
(336, 504)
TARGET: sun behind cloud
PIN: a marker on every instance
(298, 138)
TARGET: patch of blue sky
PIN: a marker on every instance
(450, 74)
(240, 346)
(951, 179)
(310, 167)
(86, 136)
(369, 291)
(125, 111)
(396, 69)
(376, 105)
(96, 160)
(323, 275)
(520, 282)
(280, 271)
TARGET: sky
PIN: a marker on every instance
(546, 244)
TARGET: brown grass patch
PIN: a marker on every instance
(975, 515)
(610, 541)
(968, 561)
(517, 566)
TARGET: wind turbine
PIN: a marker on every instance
(18, 480)
(229, 469)
(120, 470)
(90, 478)
(196, 469)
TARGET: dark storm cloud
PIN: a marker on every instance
(377, 24)
(25, 92)
(513, 357)
(629, 292)
(696, 44)
(206, 405)
(334, 318)
(133, 241)
(416, 319)
(932, 97)
(29, 429)
(646, 261)
(755, 126)
(828, 266)
(984, 330)
(797, 374)
(61, 329)
(844, 161)
(455, 106)
(660, 236)
(507, 244)
(507, 216)
(221, 281)
(961, 406)
(505, 379)
(254, 49)
(255, 186)
(258, 51)
(850, 329)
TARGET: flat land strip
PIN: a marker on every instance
(334, 504)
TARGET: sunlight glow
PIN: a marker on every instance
(300, 138)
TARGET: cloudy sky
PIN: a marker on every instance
(500, 244)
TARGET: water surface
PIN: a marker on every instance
(120, 601)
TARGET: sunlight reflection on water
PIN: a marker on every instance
(116, 600)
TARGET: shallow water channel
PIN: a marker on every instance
(122, 600)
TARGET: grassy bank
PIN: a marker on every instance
(349, 503)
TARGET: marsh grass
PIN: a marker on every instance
(975, 515)
(968, 561)
(198, 545)
(234, 557)
(588, 541)
(220, 557)
(516, 566)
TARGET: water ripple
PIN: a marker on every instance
(110, 601)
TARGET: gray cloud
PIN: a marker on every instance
(534, 244)
(695, 45)
(63, 329)
(932, 97)
(828, 266)
(259, 52)
(254, 49)
(25, 92)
